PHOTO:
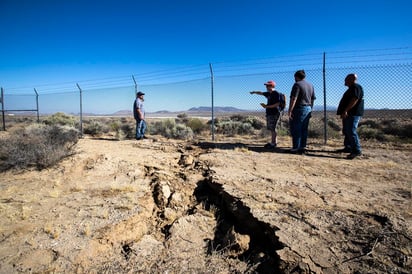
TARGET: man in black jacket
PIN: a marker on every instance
(350, 109)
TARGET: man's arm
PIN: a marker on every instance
(292, 104)
(275, 105)
(140, 114)
(256, 92)
(351, 104)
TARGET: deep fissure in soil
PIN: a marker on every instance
(232, 214)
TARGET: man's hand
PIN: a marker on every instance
(263, 105)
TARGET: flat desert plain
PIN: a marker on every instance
(167, 206)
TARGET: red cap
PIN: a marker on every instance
(270, 83)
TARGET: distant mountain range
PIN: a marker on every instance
(217, 109)
(206, 109)
(193, 109)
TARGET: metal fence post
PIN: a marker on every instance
(37, 105)
(212, 91)
(135, 85)
(2, 109)
(325, 115)
(81, 111)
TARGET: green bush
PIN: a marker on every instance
(367, 132)
(332, 124)
(233, 128)
(94, 128)
(115, 126)
(37, 146)
(370, 123)
(181, 131)
(60, 119)
(126, 131)
(168, 128)
(255, 122)
(183, 117)
(315, 130)
(397, 128)
(197, 125)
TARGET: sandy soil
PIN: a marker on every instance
(163, 206)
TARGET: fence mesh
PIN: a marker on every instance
(384, 75)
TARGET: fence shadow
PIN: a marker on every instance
(260, 149)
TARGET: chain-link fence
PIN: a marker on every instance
(223, 88)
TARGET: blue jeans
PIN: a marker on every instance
(299, 126)
(140, 129)
(350, 124)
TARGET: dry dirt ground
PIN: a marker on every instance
(163, 206)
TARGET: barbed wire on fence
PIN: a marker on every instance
(247, 73)
(384, 74)
(231, 68)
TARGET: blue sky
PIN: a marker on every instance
(60, 42)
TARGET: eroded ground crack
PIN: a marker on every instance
(238, 234)
(233, 218)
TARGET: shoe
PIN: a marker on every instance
(353, 155)
(269, 145)
(344, 150)
(300, 151)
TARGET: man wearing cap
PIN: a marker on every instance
(139, 116)
(272, 110)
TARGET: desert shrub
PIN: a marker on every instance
(126, 131)
(227, 127)
(181, 131)
(168, 128)
(94, 128)
(255, 122)
(237, 117)
(397, 128)
(282, 131)
(125, 120)
(182, 117)
(252, 120)
(115, 126)
(406, 131)
(332, 124)
(246, 128)
(233, 128)
(61, 119)
(37, 146)
(197, 125)
(316, 130)
(162, 126)
(366, 132)
(371, 124)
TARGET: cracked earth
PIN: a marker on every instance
(162, 206)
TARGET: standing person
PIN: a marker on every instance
(272, 110)
(302, 97)
(350, 109)
(139, 116)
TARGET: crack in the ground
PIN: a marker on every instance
(233, 216)
(238, 234)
